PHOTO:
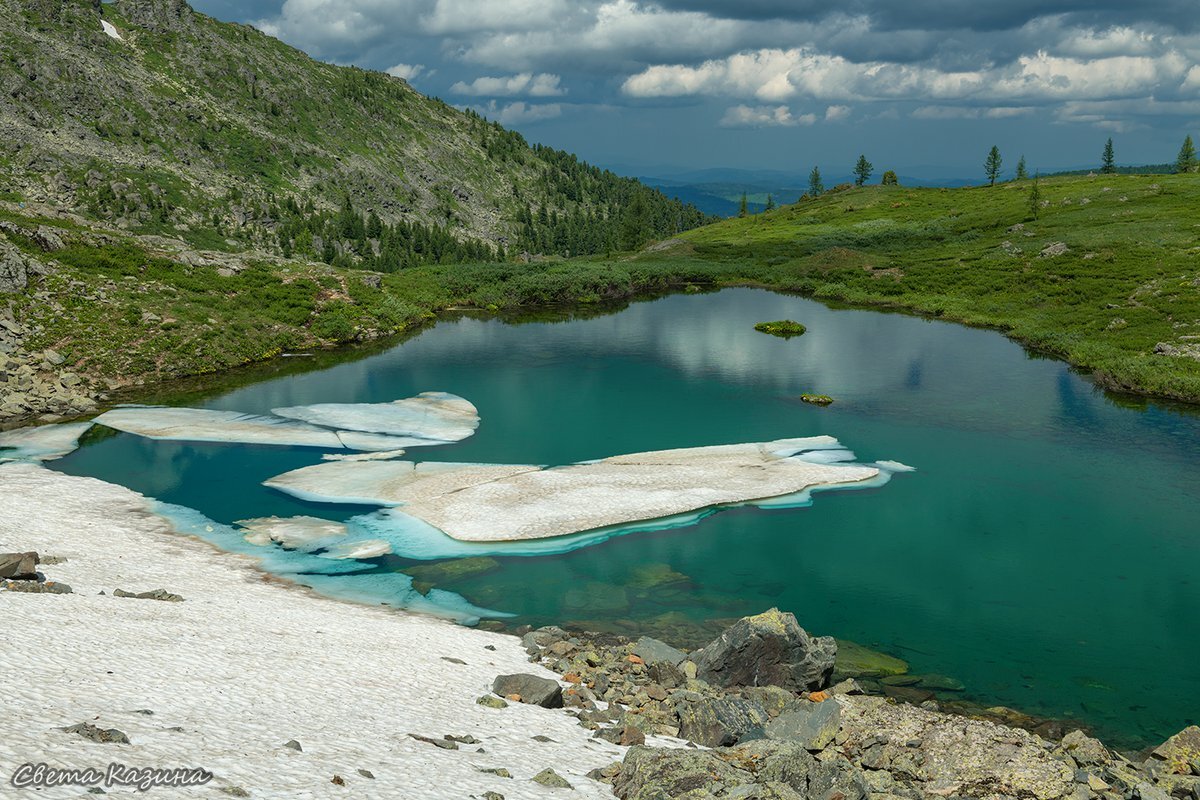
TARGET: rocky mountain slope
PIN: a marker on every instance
(160, 120)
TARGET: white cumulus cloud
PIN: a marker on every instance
(519, 111)
(406, 71)
(525, 83)
(764, 116)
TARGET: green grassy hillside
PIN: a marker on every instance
(1106, 276)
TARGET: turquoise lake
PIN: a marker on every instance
(1046, 553)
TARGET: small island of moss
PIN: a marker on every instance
(784, 327)
(816, 399)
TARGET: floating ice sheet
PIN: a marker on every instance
(430, 415)
(339, 578)
(294, 533)
(504, 503)
(210, 425)
(894, 466)
(414, 538)
(382, 455)
(42, 442)
(428, 419)
(387, 482)
(359, 549)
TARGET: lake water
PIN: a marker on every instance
(1046, 553)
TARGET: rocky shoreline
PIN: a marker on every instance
(34, 384)
(765, 716)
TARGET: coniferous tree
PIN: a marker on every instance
(1022, 172)
(992, 165)
(815, 187)
(770, 202)
(1035, 197)
(889, 179)
(635, 226)
(743, 207)
(862, 170)
(1186, 160)
(1108, 162)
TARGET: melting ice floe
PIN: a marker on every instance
(514, 506)
(429, 415)
(429, 419)
(41, 443)
(331, 576)
(311, 535)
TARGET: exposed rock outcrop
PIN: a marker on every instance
(770, 649)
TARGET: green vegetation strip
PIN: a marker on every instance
(1108, 273)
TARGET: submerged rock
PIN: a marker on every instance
(426, 576)
(816, 399)
(531, 689)
(855, 661)
(655, 576)
(768, 649)
(597, 596)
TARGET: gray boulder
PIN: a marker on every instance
(653, 774)
(770, 649)
(777, 762)
(103, 735)
(19, 566)
(811, 725)
(1181, 752)
(1085, 750)
(36, 587)
(153, 594)
(14, 268)
(552, 779)
(652, 651)
(531, 689)
(719, 722)
(837, 777)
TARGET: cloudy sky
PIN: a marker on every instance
(922, 86)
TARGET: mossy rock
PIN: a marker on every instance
(426, 576)
(855, 661)
(816, 399)
(785, 328)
